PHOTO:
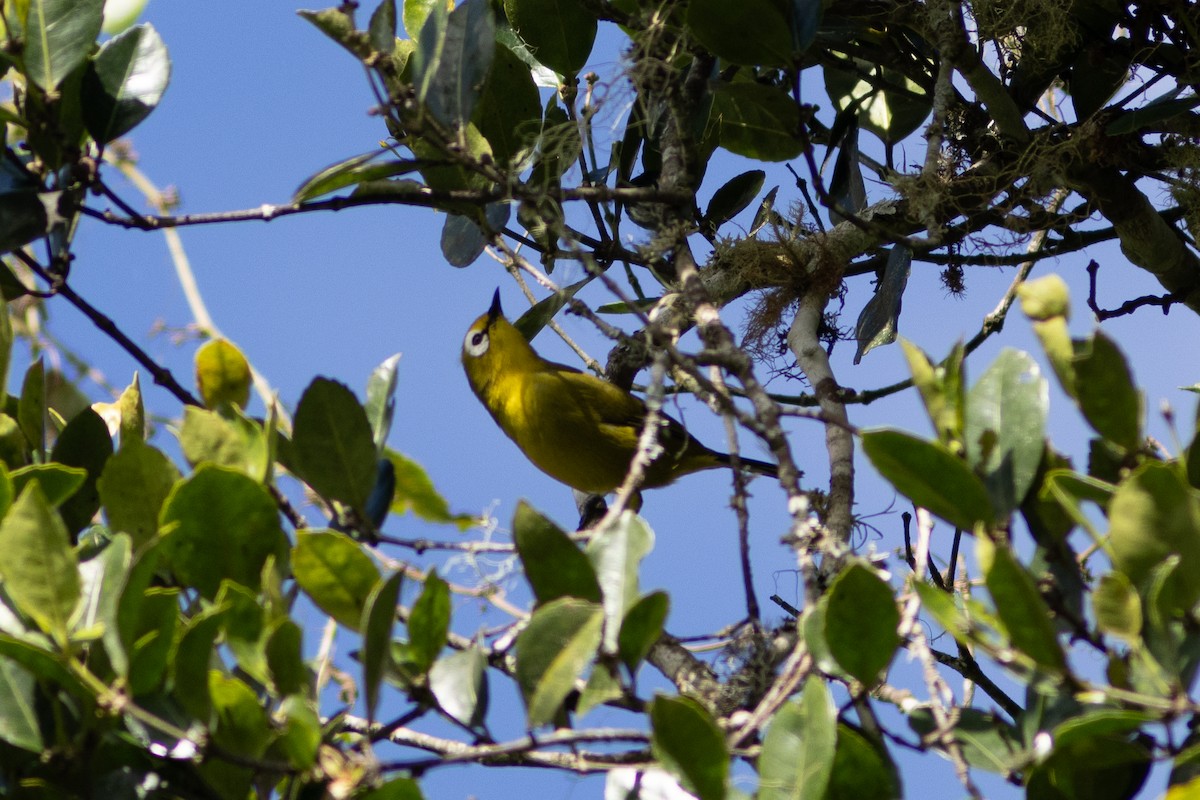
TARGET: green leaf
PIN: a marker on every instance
(459, 684)
(285, 658)
(1019, 605)
(684, 737)
(222, 374)
(880, 317)
(1106, 392)
(1159, 111)
(18, 717)
(756, 121)
(335, 573)
(301, 738)
(616, 552)
(1006, 426)
(942, 390)
(860, 623)
(734, 195)
(353, 171)
(930, 475)
(464, 238)
(382, 28)
(554, 565)
(126, 81)
(1117, 607)
(890, 104)
(987, 742)
(509, 112)
(538, 316)
(245, 629)
(219, 524)
(228, 440)
(559, 32)
(381, 399)
(86, 443)
(1154, 514)
(39, 569)
(133, 487)
(641, 628)
(31, 409)
(798, 751)
(416, 493)
(750, 33)
(1098, 768)
(862, 770)
(133, 413)
(378, 619)
(941, 606)
(155, 635)
(333, 444)
(241, 724)
(6, 337)
(452, 59)
(396, 788)
(192, 659)
(428, 624)
(58, 36)
(603, 685)
(553, 650)
(57, 482)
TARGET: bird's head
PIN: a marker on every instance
(493, 347)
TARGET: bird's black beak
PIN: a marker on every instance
(495, 311)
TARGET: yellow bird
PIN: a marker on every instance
(577, 428)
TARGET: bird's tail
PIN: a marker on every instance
(750, 464)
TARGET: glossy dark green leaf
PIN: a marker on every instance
(452, 59)
(509, 112)
(860, 623)
(133, 487)
(751, 33)
(59, 34)
(1098, 768)
(241, 723)
(684, 737)
(1154, 514)
(85, 443)
(805, 19)
(1100, 722)
(1019, 605)
(57, 482)
(245, 629)
(559, 32)
(641, 628)
(335, 573)
(379, 617)
(798, 751)
(382, 27)
(756, 121)
(1106, 392)
(25, 215)
(333, 444)
(126, 81)
(988, 742)
(616, 553)
(39, 569)
(1093, 81)
(532, 321)
(879, 320)
(459, 684)
(120, 636)
(930, 475)
(219, 524)
(554, 565)
(1006, 425)
(428, 624)
(381, 400)
(18, 718)
(733, 197)
(847, 189)
(353, 171)
(561, 639)
(862, 770)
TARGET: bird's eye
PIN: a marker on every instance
(476, 344)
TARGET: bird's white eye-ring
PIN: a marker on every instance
(476, 343)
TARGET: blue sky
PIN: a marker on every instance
(259, 100)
